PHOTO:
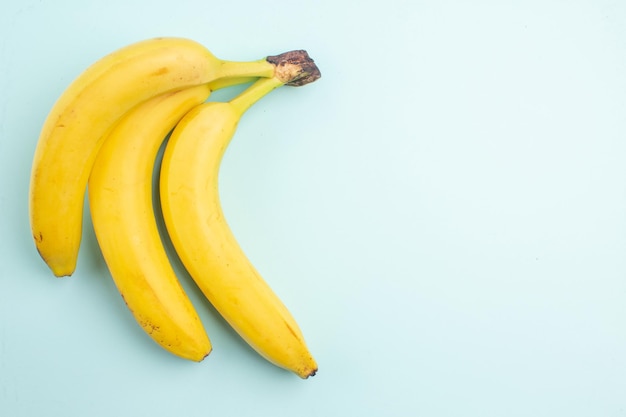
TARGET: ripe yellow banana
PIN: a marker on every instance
(120, 200)
(205, 243)
(86, 111)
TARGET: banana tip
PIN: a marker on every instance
(308, 374)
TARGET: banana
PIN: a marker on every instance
(120, 201)
(87, 110)
(202, 238)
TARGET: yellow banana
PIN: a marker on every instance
(85, 112)
(205, 243)
(120, 200)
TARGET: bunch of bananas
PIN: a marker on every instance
(103, 135)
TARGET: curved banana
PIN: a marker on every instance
(79, 120)
(120, 201)
(205, 243)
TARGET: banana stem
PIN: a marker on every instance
(254, 93)
(294, 68)
(236, 69)
(229, 82)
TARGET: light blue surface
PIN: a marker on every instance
(444, 212)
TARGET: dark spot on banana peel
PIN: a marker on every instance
(126, 303)
(295, 68)
(149, 327)
(160, 71)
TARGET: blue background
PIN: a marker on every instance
(444, 212)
